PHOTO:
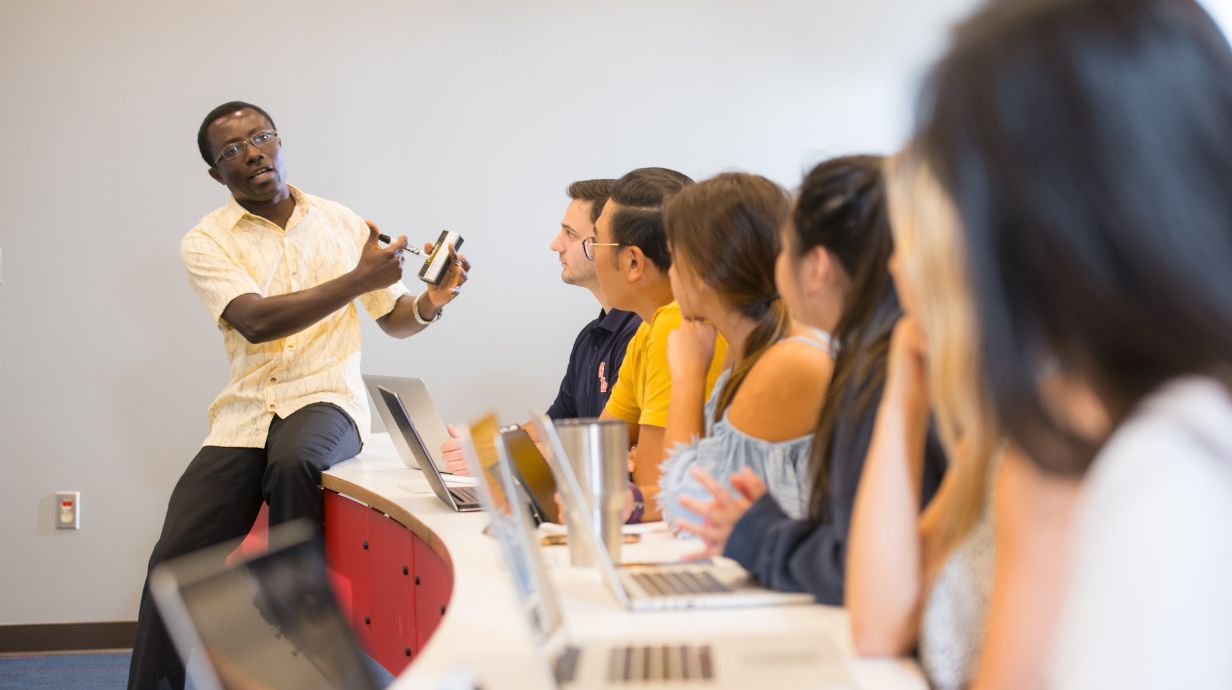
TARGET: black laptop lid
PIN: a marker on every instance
(532, 472)
(407, 429)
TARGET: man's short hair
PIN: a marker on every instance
(638, 222)
(227, 108)
(594, 191)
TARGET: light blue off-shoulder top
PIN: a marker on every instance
(782, 465)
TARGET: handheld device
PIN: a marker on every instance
(434, 267)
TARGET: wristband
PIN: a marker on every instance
(639, 505)
(418, 317)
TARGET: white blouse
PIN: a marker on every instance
(1150, 600)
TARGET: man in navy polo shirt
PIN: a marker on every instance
(600, 347)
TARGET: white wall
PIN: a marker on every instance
(468, 115)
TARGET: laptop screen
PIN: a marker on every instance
(405, 427)
(532, 471)
(270, 622)
(484, 432)
(512, 528)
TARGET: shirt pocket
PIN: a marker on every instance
(322, 258)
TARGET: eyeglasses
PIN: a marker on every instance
(233, 150)
(589, 243)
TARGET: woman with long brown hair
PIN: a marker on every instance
(723, 235)
(831, 272)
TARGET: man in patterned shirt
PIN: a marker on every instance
(279, 272)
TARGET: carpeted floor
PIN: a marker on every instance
(94, 671)
(101, 671)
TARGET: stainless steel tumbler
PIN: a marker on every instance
(598, 452)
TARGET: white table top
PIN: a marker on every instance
(484, 635)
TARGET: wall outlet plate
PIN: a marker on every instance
(68, 510)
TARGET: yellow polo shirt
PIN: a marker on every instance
(644, 387)
(232, 252)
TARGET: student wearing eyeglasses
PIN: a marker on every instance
(631, 260)
(599, 349)
(279, 272)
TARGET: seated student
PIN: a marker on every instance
(631, 262)
(1100, 250)
(831, 273)
(594, 363)
(965, 582)
(599, 349)
(723, 234)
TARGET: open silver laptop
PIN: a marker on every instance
(408, 441)
(655, 661)
(507, 508)
(656, 587)
(422, 413)
(270, 621)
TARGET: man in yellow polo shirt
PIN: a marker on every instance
(279, 272)
(631, 263)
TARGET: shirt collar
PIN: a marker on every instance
(232, 212)
(613, 320)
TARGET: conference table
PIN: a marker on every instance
(430, 598)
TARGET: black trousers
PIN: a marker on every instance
(218, 498)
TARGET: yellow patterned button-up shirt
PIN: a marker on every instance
(232, 252)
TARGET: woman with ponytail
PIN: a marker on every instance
(832, 273)
(724, 238)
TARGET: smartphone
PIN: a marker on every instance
(438, 260)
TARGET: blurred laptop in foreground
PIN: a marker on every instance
(267, 623)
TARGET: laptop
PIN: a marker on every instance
(656, 587)
(429, 428)
(658, 661)
(408, 441)
(531, 472)
(507, 509)
(270, 621)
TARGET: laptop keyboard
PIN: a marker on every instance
(656, 664)
(464, 494)
(667, 583)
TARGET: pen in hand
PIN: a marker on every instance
(387, 240)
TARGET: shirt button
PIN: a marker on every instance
(273, 380)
